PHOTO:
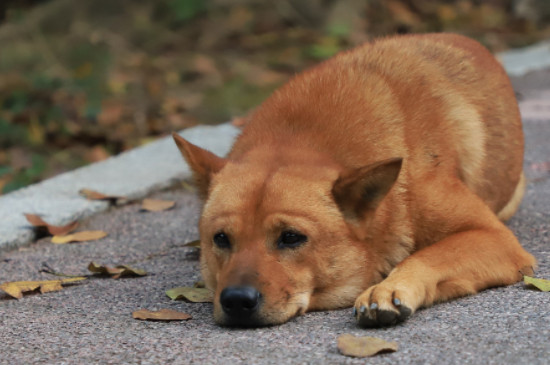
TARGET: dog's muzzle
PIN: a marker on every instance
(240, 304)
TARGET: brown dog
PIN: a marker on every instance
(379, 177)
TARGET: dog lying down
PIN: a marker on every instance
(378, 179)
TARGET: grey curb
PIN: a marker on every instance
(133, 174)
(519, 62)
(139, 172)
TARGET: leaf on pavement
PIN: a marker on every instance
(350, 345)
(195, 295)
(160, 315)
(115, 272)
(188, 186)
(195, 243)
(38, 222)
(79, 237)
(96, 195)
(17, 288)
(155, 205)
(199, 284)
(541, 284)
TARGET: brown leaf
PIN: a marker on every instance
(239, 121)
(155, 205)
(350, 345)
(17, 288)
(160, 315)
(96, 154)
(195, 243)
(96, 195)
(195, 295)
(117, 271)
(38, 222)
(79, 237)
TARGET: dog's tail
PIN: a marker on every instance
(513, 204)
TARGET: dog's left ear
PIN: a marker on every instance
(203, 163)
(360, 191)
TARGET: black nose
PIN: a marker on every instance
(240, 302)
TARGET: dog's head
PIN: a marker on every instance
(281, 237)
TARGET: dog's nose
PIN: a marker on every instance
(240, 302)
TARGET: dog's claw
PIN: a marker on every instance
(377, 317)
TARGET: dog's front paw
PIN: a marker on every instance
(382, 305)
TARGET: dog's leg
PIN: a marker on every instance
(482, 252)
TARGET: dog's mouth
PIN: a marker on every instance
(245, 306)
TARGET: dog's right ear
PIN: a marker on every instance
(203, 163)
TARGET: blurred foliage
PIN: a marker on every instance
(83, 80)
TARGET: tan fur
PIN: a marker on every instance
(394, 159)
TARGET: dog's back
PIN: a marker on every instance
(436, 107)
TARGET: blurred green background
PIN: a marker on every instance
(81, 80)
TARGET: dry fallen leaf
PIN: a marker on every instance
(96, 195)
(160, 315)
(541, 284)
(188, 186)
(117, 271)
(195, 295)
(38, 222)
(17, 288)
(155, 205)
(195, 243)
(79, 237)
(239, 121)
(199, 284)
(350, 345)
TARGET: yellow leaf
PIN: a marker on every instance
(350, 345)
(79, 237)
(155, 205)
(541, 284)
(195, 295)
(51, 286)
(17, 288)
(160, 315)
(188, 186)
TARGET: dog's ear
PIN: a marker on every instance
(360, 191)
(203, 163)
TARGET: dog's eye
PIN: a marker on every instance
(221, 240)
(290, 239)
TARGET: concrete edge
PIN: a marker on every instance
(521, 61)
(133, 174)
(139, 172)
